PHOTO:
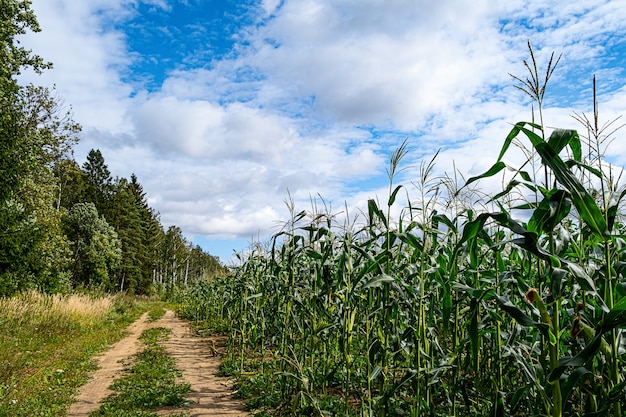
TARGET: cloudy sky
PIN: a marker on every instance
(224, 108)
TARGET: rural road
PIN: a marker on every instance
(195, 358)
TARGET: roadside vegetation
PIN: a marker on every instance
(511, 304)
(149, 382)
(47, 348)
(47, 343)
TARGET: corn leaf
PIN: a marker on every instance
(587, 208)
(560, 138)
(392, 197)
(578, 360)
(551, 210)
(497, 167)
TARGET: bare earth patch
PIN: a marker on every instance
(195, 357)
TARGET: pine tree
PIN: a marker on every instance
(98, 181)
(127, 220)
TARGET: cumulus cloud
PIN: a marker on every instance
(315, 94)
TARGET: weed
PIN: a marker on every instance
(150, 381)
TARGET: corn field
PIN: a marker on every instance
(464, 304)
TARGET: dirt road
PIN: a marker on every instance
(195, 357)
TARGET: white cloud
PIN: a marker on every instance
(315, 95)
(88, 58)
(371, 62)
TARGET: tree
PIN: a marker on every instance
(70, 182)
(127, 219)
(99, 183)
(97, 248)
(152, 232)
(34, 134)
(39, 251)
(16, 18)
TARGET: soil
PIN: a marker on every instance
(196, 357)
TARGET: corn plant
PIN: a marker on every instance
(466, 304)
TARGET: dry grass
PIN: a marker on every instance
(36, 309)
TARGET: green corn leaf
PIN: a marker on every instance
(572, 163)
(253, 296)
(375, 372)
(551, 210)
(442, 218)
(510, 186)
(322, 327)
(314, 254)
(497, 167)
(557, 277)
(408, 375)
(613, 207)
(473, 292)
(518, 395)
(582, 278)
(392, 197)
(560, 138)
(525, 176)
(617, 391)
(518, 314)
(584, 203)
(513, 134)
(505, 220)
(472, 228)
(616, 318)
(374, 350)
(620, 268)
(374, 211)
(572, 380)
(615, 394)
(411, 240)
(498, 409)
(378, 281)
(525, 206)
(579, 359)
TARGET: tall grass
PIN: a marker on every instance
(35, 309)
(46, 344)
(454, 308)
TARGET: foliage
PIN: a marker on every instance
(47, 343)
(148, 383)
(36, 248)
(96, 246)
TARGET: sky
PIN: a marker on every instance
(225, 110)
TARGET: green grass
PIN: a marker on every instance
(149, 382)
(46, 346)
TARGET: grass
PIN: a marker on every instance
(46, 345)
(149, 382)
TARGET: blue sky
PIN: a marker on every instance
(225, 108)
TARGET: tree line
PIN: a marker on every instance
(63, 225)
